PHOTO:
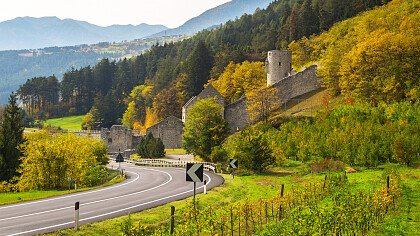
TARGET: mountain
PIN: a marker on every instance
(32, 33)
(216, 16)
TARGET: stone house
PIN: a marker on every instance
(208, 92)
(169, 130)
(120, 139)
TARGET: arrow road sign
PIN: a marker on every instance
(194, 172)
(233, 163)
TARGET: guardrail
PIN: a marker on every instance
(168, 163)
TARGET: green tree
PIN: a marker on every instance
(151, 147)
(198, 67)
(11, 136)
(252, 150)
(205, 128)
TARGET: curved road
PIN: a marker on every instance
(144, 188)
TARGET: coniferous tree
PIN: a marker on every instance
(199, 64)
(11, 136)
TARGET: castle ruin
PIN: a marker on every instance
(289, 85)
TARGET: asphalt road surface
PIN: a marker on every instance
(145, 188)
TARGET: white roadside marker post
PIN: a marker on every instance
(205, 186)
(76, 215)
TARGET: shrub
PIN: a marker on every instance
(151, 147)
(326, 165)
(95, 175)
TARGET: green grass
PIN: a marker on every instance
(179, 151)
(17, 197)
(70, 123)
(240, 189)
(406, 219)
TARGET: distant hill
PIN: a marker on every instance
(17, 66)
(216, 16)
(33, 33)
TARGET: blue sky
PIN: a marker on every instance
(171, 13)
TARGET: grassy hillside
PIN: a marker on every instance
(70, 122)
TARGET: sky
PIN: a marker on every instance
(171, 13)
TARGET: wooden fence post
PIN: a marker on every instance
(325, 182)
(282, 190)
(172, 225)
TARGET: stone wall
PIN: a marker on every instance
(170, 131)
(118, 138)
(236, 115)
(288, 88)
(298, 84)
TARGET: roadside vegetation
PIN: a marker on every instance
(255, 190)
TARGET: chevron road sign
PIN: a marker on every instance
(233, 163)
(194, 172)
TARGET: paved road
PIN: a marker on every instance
(144, 188)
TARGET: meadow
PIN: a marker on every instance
(69, 123)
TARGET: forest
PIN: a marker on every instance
(178, 71)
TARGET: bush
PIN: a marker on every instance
(326, 165)
(218, 154)
(151, 147)
(95, 175)
(252, 150)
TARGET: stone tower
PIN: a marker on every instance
(278, 66)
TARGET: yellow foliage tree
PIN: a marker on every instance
(151, 119)
(372, 57)
(260, 103)
(238, 79)
(49, 159)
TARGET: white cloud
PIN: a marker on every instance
(171, 13)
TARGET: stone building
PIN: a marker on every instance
(119, 138)
(208, 92)
(279, 75)
(169, 130)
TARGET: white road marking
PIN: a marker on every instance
(89, 203)
(72, 195)
(93, 217)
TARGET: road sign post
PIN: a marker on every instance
(233, 164)
(119, 159)
(76, 215)
(194, 174)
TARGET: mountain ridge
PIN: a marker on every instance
(32, 33)
(216, 16)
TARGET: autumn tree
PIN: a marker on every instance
(239, 79)
(49, 159)
(205, 128)
(260, 103)
(11, 136)
(169, 101)
(139, 100)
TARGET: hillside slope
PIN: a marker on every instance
(372, 57)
